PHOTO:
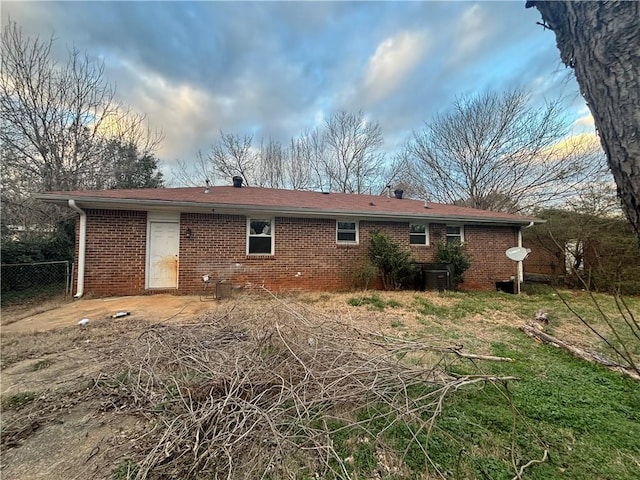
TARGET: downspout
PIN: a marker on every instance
(520, 267)
(82, 248)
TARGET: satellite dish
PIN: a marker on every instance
(518, 254)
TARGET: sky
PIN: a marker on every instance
(274, 69)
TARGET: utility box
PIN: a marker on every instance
(435, 276)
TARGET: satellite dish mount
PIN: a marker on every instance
(517, 254)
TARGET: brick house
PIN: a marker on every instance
(141, 241)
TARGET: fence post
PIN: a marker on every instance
(66, 289)
(73, 272)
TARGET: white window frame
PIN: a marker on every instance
(270, 235)
(461, 235)
(426, 234)
(357, 232)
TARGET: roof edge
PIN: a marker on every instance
(135, 204)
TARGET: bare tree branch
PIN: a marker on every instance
(60, 122)
(497, 152)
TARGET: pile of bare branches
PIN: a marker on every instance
(265, 397)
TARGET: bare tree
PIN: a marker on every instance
(271, 165)
(601, 42)
(195, 174)
(596, 197)
(57, 120)
(271, 168)
(405, 174)
(495, 151)
(353, 161)
(342, 155)
(308, 155)
(298, 166)
(233, 156)
(58, 123)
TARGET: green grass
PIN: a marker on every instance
(373, 302)
(127, 470)
(41, 365)
(587, 417)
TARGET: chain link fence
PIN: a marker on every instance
(25, 282)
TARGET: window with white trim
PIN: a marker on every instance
(455, 234)
(418, 234)
(260, 236)
(346, 232)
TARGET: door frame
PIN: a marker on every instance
(160, 217)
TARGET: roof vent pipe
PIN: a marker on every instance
(398, 193)
(237, 181)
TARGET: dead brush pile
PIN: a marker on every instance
(266, 396)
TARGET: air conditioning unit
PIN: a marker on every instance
(436, 276)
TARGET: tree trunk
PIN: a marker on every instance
(580, 352)
(601, 42)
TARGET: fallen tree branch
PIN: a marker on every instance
(492, 358)
(266, 393)
(579, 352)
(417, 345)
(528, 464)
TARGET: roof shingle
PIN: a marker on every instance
(287, 201)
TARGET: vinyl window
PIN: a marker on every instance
(260, 236)
(455, 234)
(418, 234)
(346, 232)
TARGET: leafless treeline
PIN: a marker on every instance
(62, 126)
(342, 155)
(492, 151)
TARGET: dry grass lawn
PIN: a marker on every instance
(55, 373)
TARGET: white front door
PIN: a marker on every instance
(162, 264)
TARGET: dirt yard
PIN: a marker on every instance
(58, 422)
(51, 363)
(48, 354)
(152, 308)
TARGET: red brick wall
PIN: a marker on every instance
(115, 255)
(489, 264)
(306, 255)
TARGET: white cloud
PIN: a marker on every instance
(392, 62)
(585, 121)
(472, 30)
(187, 115)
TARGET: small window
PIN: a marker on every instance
(347, 232)
(455, 234)
(418, 234)
(259, 236)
